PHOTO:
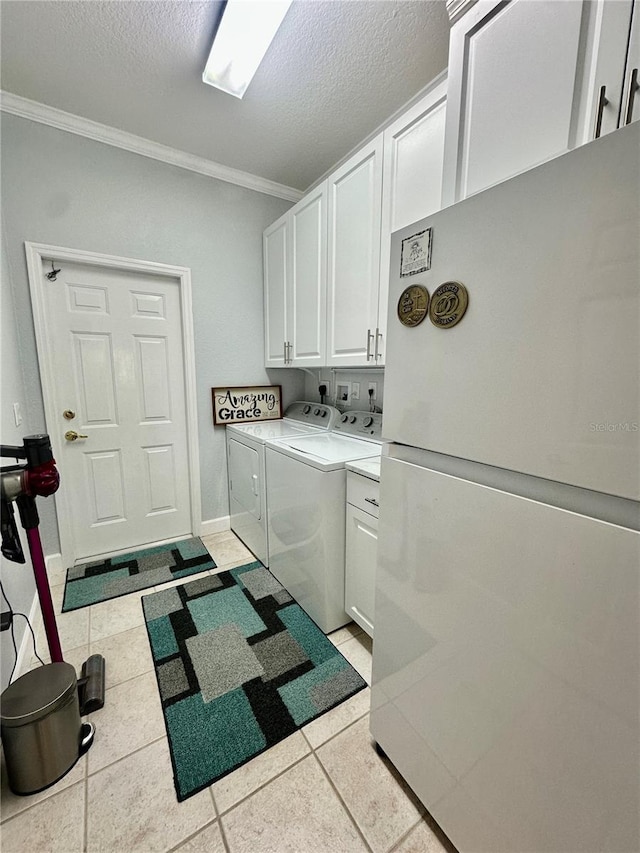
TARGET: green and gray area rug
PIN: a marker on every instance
(240, 666)
(89, 583)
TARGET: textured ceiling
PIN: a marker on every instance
(335, 71)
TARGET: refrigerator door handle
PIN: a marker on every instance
(378, 350)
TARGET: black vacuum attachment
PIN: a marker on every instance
(91, 685)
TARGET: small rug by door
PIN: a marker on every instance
(240, 666)
(89, 583)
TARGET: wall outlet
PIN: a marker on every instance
(343, 393)
(355, 390)
(373, 386)
(326, 382)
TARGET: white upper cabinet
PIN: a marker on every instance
(274, 244)
(308, 291)
(526, 82)
(603, 82)
(355, 198)
(631, 89)
(295, 284)
(412, 179)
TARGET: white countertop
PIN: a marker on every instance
(367, 467)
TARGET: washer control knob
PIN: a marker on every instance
(352, 419)
(323, 413)
(344, 419)
(367, 422)
(306, 410)
(316, 412)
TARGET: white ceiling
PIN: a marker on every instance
(336, 70)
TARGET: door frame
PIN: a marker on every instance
(35, 252)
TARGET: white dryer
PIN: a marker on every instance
(306, 499)
(246, 467)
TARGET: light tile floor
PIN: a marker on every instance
(322, 790)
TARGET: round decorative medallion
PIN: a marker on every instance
(448, 304)
(413, 305)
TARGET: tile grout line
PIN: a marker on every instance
(124, 757)
(85, 846)
(404, 836)
(342, 802)
(286, 769)
(295, 763)
(35, 805)
(335, 734)
(223, 833)
(191, 837)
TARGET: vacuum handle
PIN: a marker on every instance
(13, 451)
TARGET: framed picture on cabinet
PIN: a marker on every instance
(416, 253)
(246, 403)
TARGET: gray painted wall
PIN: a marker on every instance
(65, 190)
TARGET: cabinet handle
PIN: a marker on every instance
(369, 338)
(288, 352)
(284, 351)
(602, 103)
(633, 88)
(378, 352)
(372, 501)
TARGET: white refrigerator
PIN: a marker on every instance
(506, 656)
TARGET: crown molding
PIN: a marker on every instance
(457, 8)
(61, 120)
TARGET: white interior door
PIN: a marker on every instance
(116, 338)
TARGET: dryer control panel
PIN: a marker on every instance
(314, 414)
(360, 425)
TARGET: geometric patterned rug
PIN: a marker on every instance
(240, 666)
(100, 580)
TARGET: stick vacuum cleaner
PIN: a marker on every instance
(39, 477)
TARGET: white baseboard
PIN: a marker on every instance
(26, 645)
(56, 570)
(56, 573)
(215, 525)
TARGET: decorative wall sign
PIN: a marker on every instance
(413, 305)
(448, 304)
(246, 403)
(415, 256)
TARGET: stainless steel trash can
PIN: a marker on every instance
(42, 734)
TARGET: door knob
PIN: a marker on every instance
(72, 435)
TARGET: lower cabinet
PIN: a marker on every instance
(361, 549)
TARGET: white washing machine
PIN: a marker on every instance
(246, 467)
(306, 500)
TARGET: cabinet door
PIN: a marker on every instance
(308, 291)
(513, 73)
(412, 180)
(274, 243)
(360, 567)
(631, 93)
(354, 257)
(603, 90)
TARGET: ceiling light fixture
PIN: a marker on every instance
(243, 37)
